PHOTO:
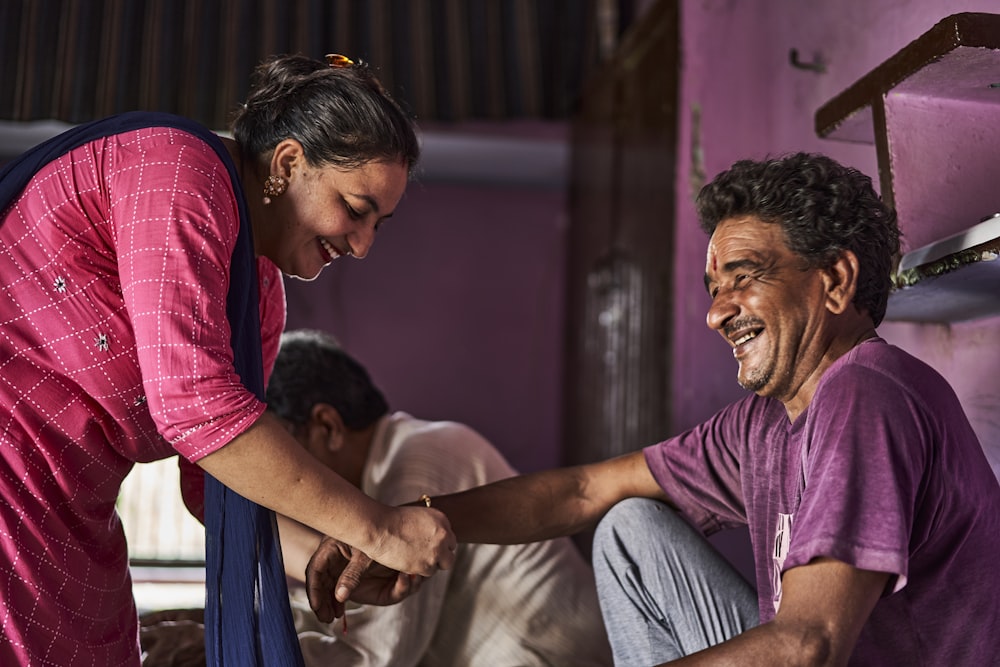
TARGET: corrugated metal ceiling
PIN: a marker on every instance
(445, 60)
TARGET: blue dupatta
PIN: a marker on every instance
(248, 620)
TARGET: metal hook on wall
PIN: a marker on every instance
(817, 64)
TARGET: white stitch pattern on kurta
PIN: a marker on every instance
(113, 340)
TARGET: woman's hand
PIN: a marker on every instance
(414, 540)
(267, 465)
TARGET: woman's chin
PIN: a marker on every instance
(305, 278)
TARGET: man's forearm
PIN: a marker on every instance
(521, 509)
(823, 608)
(298, 543)
(547, 504)
(769, 645)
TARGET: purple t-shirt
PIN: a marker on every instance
(883, 472)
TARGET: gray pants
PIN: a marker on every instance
(665, 591)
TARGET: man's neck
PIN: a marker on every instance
(354, 457)
(858, 330)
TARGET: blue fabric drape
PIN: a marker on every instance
(248, 620)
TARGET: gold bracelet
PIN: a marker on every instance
(426, 500)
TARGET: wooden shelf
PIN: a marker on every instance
(933, 113)
(852, 115)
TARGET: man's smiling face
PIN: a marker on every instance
(766, 304)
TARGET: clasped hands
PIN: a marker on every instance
(416, 543)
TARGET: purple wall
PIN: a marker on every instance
(457, 312)
(458, 309)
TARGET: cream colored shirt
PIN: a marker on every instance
(500, 606)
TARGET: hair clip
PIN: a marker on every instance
(336, 60)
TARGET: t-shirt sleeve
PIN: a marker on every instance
(866, 452)
(175, 221)
(700, 470)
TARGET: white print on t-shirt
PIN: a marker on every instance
(782, 538)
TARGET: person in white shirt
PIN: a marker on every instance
(503, 606)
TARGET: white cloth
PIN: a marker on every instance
(500, 606)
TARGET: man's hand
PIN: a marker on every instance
(338, 572)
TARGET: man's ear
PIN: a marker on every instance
(327, 420)
(285, 156)
(840, 282)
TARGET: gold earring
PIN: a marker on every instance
(274, 186)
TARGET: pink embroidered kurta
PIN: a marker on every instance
(114, 349)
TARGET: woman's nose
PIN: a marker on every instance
(361, 241)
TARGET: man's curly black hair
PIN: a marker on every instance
(823, 208)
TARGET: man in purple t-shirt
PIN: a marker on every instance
(873, 513)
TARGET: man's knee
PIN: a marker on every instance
(635, 514)
(631, 521)
(643, 528)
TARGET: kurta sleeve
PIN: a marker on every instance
(175, 220)
(272, 323)
(272, 312)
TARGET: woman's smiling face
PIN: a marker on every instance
(326, 212)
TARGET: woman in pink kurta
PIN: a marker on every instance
(115, 349)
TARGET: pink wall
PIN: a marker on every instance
(741, 97)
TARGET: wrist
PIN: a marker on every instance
(378, 529)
